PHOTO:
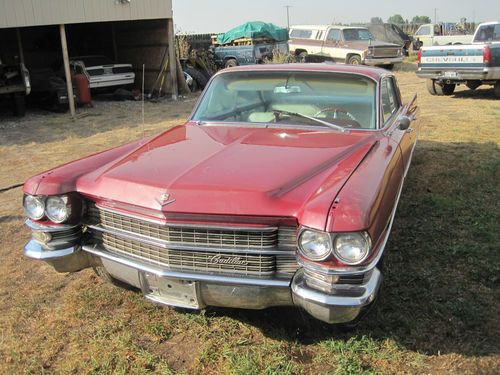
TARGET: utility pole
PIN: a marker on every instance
(435, 15)
(287, 16)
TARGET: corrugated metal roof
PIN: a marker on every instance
(21, 13)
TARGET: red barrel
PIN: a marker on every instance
(81, 84)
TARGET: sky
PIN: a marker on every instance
(213, 16)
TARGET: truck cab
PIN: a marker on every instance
(432, 34)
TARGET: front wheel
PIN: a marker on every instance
(389, 66)
(231, 63)
(354, 60)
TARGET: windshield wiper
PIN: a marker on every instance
(278, 112)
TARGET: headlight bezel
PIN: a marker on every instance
(40, 200)
(66, 203)
(74, 203)
(341, 258)
(309, 255)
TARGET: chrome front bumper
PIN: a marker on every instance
(341, 305)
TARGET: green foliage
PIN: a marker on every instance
(376, 20)
(397, 19)
(420, 19)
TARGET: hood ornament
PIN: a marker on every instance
(164, 199)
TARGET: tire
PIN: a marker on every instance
(104, 275)
(389, 66)
(496, 89)
(302, 57)
(431, 86)
(198, 77)
(19, 105)
(230, 63)
(472, 85)
(354, 60)
(445, 89)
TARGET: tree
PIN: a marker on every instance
(397, 19)
(421, 19)
(376, 20)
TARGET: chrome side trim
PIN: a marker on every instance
(101, 252)
(167, 245)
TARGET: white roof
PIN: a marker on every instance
(324, 27)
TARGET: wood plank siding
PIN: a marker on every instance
(21, 13)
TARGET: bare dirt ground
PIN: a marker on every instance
(439, 305)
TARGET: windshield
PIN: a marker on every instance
(346, 100)
(357, 34)
(488, 33)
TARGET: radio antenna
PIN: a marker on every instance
(143, 72)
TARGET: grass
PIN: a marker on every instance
(438, 309)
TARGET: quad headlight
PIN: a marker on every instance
(34, 207)
(349, 248)
(315, 245)
(57, 208)
(352, 248)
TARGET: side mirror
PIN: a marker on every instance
(404, 122)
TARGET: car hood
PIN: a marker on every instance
(234, 170)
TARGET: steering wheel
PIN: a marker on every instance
(336, 111)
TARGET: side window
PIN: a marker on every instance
(437, 30)
(297, 33)
(333, 35)
(389, 99)
(424, 30)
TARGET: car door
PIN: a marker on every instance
(332, 45)
(392, 111)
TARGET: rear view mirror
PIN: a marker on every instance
(404, 122)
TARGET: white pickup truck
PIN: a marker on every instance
(344, 44)
(432, 34)
(473, 65)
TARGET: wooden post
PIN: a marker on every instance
(67, 73)
(20, 45)
(172, 58)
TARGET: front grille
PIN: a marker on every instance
(249, 251)
(381, 52)
(193, 261)
(95, 72)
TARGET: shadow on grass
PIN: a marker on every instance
(441, 284)
(483, 92)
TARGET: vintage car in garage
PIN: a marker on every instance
(103, 72)
(280, 189)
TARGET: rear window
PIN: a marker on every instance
(488, 33)
(304, 34)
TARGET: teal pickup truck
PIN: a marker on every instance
(474, 65)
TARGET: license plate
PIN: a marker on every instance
(450, 74)
(173, 292)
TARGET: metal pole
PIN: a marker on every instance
(67, 73)
(172, 59)
(288, 16)
(435, 15)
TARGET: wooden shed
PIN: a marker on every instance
(136, 31)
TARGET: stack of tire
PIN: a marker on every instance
(200, 78)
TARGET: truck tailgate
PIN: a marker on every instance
(452, 57)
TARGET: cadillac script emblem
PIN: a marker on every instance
(164, 199)
(227, 259)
